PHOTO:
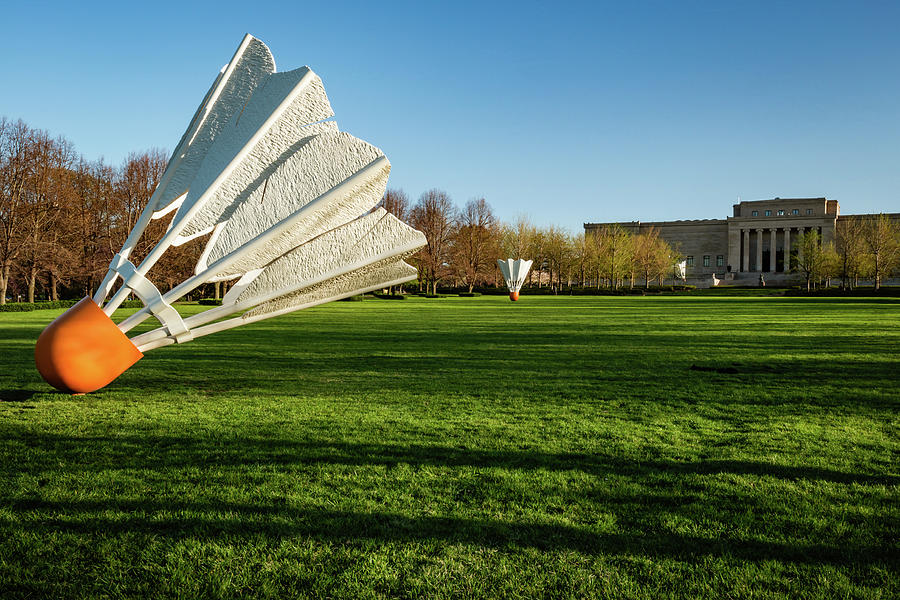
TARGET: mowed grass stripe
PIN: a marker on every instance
(469, 447)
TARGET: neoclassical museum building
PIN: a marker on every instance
(750, 242)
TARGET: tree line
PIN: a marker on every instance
(62, 218)
(463, 245)
(865, 247)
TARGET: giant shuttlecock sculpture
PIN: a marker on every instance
(288, 202)
(514, 272)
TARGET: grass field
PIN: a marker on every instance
(559, 447)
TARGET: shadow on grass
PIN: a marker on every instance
(638, 513)
(131, 452)
(17, 395)
(230, 520)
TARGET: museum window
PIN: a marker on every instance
(809, 211)
(768, 213)
(720, 260)
(690, 261)
(755, 213)
(706, 260)
(796, 211)
(780, 213)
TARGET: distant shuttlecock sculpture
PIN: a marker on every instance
(287, 201)
(514, 272)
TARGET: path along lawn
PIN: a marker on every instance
(583, 447)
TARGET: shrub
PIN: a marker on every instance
(209, 302)
(390, 296)
(469, 294)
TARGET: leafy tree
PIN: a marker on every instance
(557, 254)
(882, 238)
(810, 257)
(651, 255)
(850, 249)
(616, 250)
(516, 239)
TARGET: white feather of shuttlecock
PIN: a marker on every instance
(362, 255)
(259, 170)
(514, 272)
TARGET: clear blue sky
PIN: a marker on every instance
(567, 112)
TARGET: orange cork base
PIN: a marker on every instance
(514, 296)
(83, 350)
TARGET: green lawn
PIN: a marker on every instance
(558, 447)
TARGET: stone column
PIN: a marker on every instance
(772, 247)
(759, 237)
(787, 249)
(800, 232)
(746, 263)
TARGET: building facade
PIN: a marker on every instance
(756, 239)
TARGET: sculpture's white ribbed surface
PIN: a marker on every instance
(390, 271)
(258, 136)
(230, 91)
(514, 272)
(372, 237)
(318, 166)
(249, 184)
(288, 199)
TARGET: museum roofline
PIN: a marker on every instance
(777, 199)
(634, 223)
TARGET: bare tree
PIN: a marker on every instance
(396, 202)
(46, 189)
(475, 243)
(15, 167)
(133, 185)
(435, 216)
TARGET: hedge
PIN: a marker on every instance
(56, 304)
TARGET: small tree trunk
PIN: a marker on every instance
(4, 282)
(54, 294)
(32, 276)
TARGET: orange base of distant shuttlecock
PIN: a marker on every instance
(514, 296)
(83, 350)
